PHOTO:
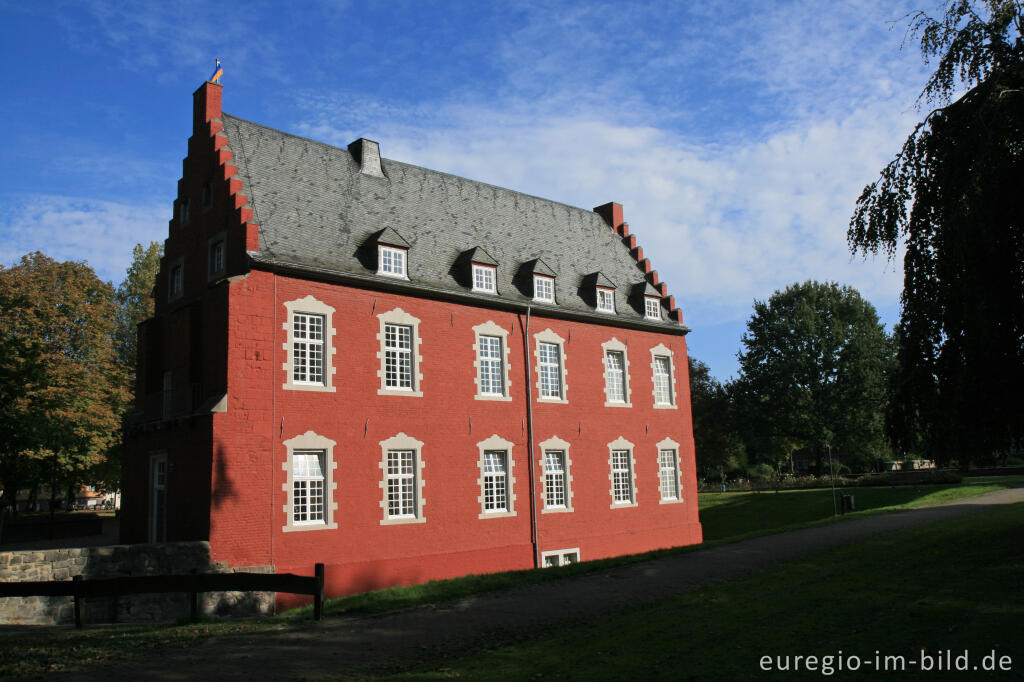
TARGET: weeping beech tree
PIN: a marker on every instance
(954, 196)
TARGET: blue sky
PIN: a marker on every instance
(737, 135)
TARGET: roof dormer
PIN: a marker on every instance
(479, 269)
(391, 251)
(538, 281)
(601, 292)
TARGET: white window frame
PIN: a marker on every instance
(652, 308)
(401, 442)
(485, 278)
(308, 306)
(400, 318)
(562, 557)
(556, 445)
(306, 443)
(615, 346)
(213, 267)
(392, 261)
(549, 337)
(669, 446)
(543, 284)
(605, 300)
(496, 444)
(616, 471)
(176, 279)
(491, 330)
(662, 351)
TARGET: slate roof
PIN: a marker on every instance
(316, 212)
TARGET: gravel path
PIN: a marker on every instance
(338, 644)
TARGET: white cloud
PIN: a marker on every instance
(64, 228)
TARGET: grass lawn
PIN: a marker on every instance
(955, 585)
(744, 514)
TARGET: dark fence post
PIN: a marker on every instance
(78, 601)
(318, 598)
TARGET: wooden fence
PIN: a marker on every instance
(194, 585)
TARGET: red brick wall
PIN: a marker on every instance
(248, 500)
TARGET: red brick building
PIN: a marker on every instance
(400, 373)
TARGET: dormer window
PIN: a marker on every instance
(652, 308)
(484, 278)
(605, 300)
(184, 210)
(391, 261)
(207, 195)
(543, 289)
(392, 252)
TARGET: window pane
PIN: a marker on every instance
(308, 348)
(554, 478)
(550, 370)
(397, 356)
(668, 474)
(622, 484)
(615, 377)
(495, 481)
(401, 479)
(308, 486)
(492, 380)
(662, 380)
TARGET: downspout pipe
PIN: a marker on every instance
(529, 431)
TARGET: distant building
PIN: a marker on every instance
(401, 373)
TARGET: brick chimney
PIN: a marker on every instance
(206, 103)
(612, 214)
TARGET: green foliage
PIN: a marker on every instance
(813, 373)
(952, 196)
(61, 391)
(134, 299)
(713, 430)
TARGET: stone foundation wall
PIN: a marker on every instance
(176, 558)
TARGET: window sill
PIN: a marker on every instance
(671, 501)
(308, 526)
(618, 404)
(556, 510)
(658, 406)
(492, 398)
(402, 520)
(315, 388)
(622, 505)
(554, 401)
(400, 392)
(496, 515)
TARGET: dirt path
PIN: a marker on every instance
(341, 644)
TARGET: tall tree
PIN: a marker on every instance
(135, 300)
(813, 375)
(61, 390)
(714, 435)
(952, 196)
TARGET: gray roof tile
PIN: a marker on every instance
(316, 210)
